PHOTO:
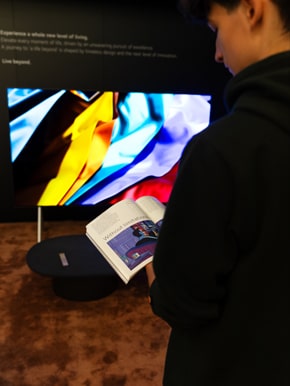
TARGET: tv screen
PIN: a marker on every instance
(84, 147)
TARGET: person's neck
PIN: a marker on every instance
(269, 37)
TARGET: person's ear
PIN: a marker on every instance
(254, 10)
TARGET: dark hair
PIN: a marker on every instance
(199, 9)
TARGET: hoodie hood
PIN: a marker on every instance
(264, 89)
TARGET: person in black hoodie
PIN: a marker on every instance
(222, 280)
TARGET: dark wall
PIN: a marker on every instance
(106, 45)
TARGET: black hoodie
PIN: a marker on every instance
(222, 262)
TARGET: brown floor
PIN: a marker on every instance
(46, 340)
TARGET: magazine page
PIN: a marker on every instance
(125, 236)
(153, 207)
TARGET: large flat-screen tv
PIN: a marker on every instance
(86, 147)
(99, 103)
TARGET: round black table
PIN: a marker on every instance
(77, 269)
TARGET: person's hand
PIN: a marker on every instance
(150, 273)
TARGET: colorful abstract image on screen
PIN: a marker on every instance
(84, 147)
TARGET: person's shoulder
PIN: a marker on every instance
(226, 136)
(219, 130)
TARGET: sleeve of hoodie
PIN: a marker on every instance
(196, 249)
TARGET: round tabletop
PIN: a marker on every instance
(68, 256)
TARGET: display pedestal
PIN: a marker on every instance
(77, 269)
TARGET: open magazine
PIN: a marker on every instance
(126, 234)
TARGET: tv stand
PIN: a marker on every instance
(39, 223)
(77, 269)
